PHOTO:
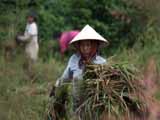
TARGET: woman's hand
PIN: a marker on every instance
(58, 83)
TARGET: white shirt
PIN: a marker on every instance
(31, 38)
(31, 29)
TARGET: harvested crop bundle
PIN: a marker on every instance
(110, 88)
(59, 104)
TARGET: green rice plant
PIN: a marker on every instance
(19, 98)
(59, 106)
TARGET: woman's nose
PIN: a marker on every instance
(86, 47)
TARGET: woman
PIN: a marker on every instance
(31, 38)
(87, 44)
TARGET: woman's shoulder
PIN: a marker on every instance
(34, 25)
(99, 60)
(74, 58)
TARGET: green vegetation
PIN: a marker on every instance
(132, 29)
(20, 98)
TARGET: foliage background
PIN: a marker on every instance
(131, 27)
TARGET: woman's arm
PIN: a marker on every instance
(25, 37)
(66, 76)
(31, 30)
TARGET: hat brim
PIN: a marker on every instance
(75, 45)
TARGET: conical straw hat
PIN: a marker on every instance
(88, 33)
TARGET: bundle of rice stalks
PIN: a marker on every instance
(58, 107)
(110, 88)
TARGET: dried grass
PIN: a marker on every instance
(110, 88)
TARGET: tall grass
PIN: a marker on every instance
(19, 98)
(147, 46)
(22, 100)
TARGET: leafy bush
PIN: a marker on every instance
(116, 20)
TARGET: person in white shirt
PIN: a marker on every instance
(30, 37)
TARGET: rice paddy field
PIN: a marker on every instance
(134, 34)
(26, 97)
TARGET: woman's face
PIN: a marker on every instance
(30, 19)
(85, 48)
